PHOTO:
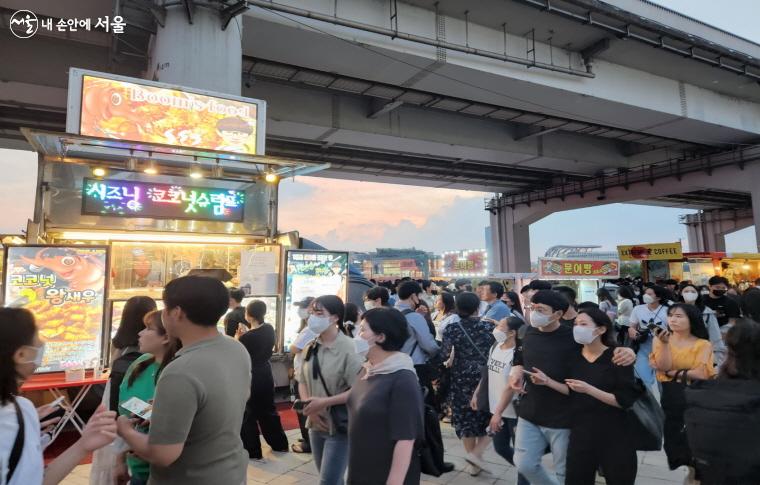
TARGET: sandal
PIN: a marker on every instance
(300, 447)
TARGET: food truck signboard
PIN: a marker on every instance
(124, 198)
(311, 274)
(557, 269)
(651, 252)
(465, 263)
(124, 108)
(64, 287)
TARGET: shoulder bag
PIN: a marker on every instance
(645, 421)
(338, 413)
(18, 444)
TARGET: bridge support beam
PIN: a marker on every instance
(192, 49)
(510, 240)
(756, 214)
(706, 230)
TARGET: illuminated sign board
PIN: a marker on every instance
(557, 269)
(124, 198)
(311, 274)
(465, 263)
(129, 109)
(651, 252)
(64, 286)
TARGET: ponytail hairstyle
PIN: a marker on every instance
(334, 306)
(153, 319)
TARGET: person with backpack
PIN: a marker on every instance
(385, 409)
(723, 415)
(472, 338)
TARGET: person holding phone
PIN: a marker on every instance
(21, 352)
(158, 349)
(682, 352)
(652, 314)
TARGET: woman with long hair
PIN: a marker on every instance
(445, 312)
(652, 314)
(689, 294)
(158, 349)
(681, 353)
(330, 367)
(21, 352)
(513, 302)
(607, 304)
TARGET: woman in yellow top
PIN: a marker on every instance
(681, 353)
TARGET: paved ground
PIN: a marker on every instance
(291, 468)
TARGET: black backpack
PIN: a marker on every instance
(430, 449)
(723, 425)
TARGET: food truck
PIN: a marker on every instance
(151, 182)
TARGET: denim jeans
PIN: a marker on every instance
(330, 456)
(530, 444)
(642, 367)
(502, 444)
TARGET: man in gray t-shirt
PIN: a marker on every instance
(194, 436)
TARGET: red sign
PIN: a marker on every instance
(578, 268)
(465, 263)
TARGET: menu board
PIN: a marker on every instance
(125, 198)
(146, 112)
(311, 273)
(64, 286)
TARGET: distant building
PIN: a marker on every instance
(393, 263)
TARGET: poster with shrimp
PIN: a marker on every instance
(141, 112)
(64, 286)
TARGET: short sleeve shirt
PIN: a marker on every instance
(382, 410)
(339, 365)
(642, 315)
(30, 468)
(499, 365)
(724, 307)
(200, 399)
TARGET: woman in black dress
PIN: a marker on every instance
(600, 392)
(260, 410)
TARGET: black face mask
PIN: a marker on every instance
(719, 292)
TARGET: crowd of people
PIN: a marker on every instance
(530, 373)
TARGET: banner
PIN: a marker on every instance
(123, 110)
(311, 273)
(465, 263)
(651, 252)
(124, 198)
(65, 289)
(557, 269)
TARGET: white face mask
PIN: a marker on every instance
(370, 305)
(318, 324)
(37, 360)
(584, 335)
(303, 313)
(500, 336)
(705, 292)
(538, 319)
(362, 345)
(689, 296)
(648, 299)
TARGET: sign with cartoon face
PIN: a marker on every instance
(64, 287)
(124, 198)
(107, 106)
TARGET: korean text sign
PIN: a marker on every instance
(465, 263)
(64, 287)
(124, 198)
(652, 252)
(142, 112)
(551, 268)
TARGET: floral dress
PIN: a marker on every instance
(466, 371)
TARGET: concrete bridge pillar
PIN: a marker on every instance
(756, 214)
(510, 238)
(198, 54)
(707, 230)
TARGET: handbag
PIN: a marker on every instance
(339, 413)
(645, 421)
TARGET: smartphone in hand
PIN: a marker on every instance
(298, 404)
(138, 407)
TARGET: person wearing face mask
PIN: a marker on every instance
(385, 410)
(494, 395)
(726, 309)
(600, 392)
(654, 312)
(681, 353)
(376, 297)
(260, 411)
(421, 344)
(690, 295)
(544, 415)
(329, 370)
(21, 352)
(303, 339)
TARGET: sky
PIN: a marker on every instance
(362, 216)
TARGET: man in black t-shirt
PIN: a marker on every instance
(726, 309)
(236, 314)
(544, 414)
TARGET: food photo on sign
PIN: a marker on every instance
(64, 287)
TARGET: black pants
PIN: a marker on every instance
(600, 445)
(676, 445)
(261, 413)
(302, 422)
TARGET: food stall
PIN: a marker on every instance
(150, 182)
(466, 263)
(741, 269)
(584, 275)
(655, 259)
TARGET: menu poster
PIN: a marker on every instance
(64, 287)
(311, 273)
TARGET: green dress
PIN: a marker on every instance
(144, 387)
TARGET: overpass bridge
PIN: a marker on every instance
(551, 104)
